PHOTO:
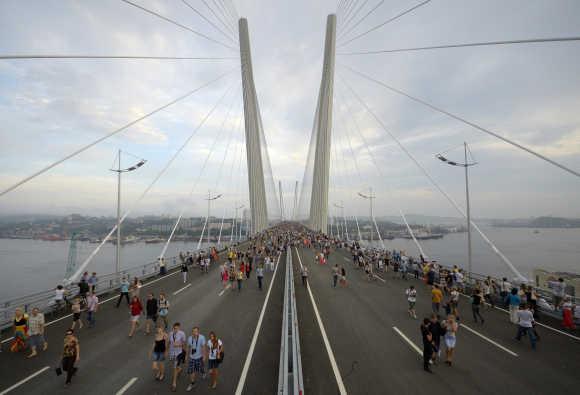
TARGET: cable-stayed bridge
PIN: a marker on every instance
(287, 337)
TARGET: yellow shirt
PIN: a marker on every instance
(436, 295)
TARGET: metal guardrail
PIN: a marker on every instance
(290, 370)
(105, 284)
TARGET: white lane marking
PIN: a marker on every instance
(341, 387)
(346, 259)
(224, 290)
(405, 338)
(182, 289)
(126, 386)
(380, 278)
(489, 340)
(18, 384)
(244, 374)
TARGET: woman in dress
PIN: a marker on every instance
(215, 355)
(159, 353)
(20, 330)
(136, 309)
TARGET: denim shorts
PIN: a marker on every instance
(36, 341)
(158, 356)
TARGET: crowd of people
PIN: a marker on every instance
(197, 354)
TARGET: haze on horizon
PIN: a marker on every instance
(529, 93)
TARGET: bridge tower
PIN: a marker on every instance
(254, 135)
(322, 133)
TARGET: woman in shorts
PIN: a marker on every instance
(159, 353)
(136, 310)
(215, 355)
(450, 338)
(76, 310)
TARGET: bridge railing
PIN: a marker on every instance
(290, 370)
(105, 284)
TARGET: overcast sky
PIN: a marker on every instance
(529, 93)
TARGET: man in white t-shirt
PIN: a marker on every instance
(177, 346)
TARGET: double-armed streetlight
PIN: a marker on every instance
(370, 197)
(209, 200)
(465, 165)
(341, 207)
(234, 221)
(119, 170)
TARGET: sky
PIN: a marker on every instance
(49, 108)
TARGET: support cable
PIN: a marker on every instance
(178, 24)
(384, 23)
(149, 187)
(114, 57)
(227, 17)
(463, 45)
(194, 185)
(224, 24)
(361, 20)
(508, 263)
(209, 21)
(347, 14)
(351, 18)
(465, 121)
(86, 147)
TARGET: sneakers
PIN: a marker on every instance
(191, 386)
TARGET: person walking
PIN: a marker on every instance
(177, 344)
(436, 297)
(335, 272)
(159, 353)
(151, 309)
(215, 357)
(36, 332)
(123, 291)
(240, 277)
(526, 325)
(136, 309)
(427, 344)
(163, 309)
(71, 354)
(260, 276)
(93, 280)
(92, 307)
(513, 301)
(476, 301)
(342, 277)
(197, 351)
(184, 270)
(450, 338)
(20, 323)
(411, 293)
(76, 311)
(304, 275)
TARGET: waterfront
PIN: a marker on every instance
(29, 266)
(34, 265)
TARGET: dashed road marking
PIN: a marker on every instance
(225, 289)
(126, 386)
(182, 289)
(405, 338)
(18, 384)
(489, 340)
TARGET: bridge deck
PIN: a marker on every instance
(371, 357)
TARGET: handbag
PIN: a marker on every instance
(220, 357)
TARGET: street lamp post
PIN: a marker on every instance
(234, 223)
(370, 197)
(119, 170)
(341, 207)
(465, 165)
(209, 200)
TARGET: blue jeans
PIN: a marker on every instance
(530, 332)
(91, 318)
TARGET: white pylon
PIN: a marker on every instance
(323, 133)
(258, 206)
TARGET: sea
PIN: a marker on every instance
(28, 266)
